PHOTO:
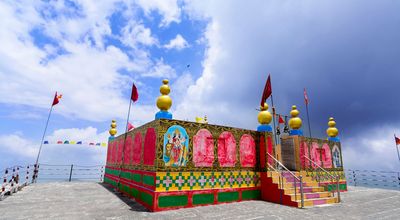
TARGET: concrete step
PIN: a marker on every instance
(307, 184)
(312, 195)
(288, 191)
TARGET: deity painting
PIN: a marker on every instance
(337, 162)
(176, 147)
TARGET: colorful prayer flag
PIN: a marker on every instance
(267, 91)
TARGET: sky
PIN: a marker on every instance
(217, 56)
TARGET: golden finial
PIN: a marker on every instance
(264, 116)
(164, 102)
(295, 121)
(113, 129)
(332, 131)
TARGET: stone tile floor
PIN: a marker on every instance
(84, 200)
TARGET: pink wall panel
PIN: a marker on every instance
(247, 151)
(120, 149)
(149, 153)
(128, 150)
(226, 150)
(203, 149)
(270, 150)
(304, 152)
(326, 156)
(114, 151)
(315, 154)
(137, 149)
(109, 152)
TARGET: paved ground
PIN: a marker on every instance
(95, 201)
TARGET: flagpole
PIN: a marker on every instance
(273, 118)
(123, 146)
(308, 119)
(35, 173)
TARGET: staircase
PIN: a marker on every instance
(313, 194)
(283, 187)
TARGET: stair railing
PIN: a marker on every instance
(319, 169)
(295, 178)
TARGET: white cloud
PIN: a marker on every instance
(134, 33)
(372, 149)
(160, 69)
(177, 43)
(20, 150)
(168, 9)
(88, 74)
(14, 144)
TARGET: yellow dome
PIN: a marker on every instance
(264, 116)
(113, 130)
(295, 122)
(332, 131)
(164, 102)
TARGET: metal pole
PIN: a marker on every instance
(40, 148)
(397, 148)
(354, 178)
(301, 192)
(70, 173)
(337, 187)
(123, 146)
(295, 189)
(308, 119)
(273, 119)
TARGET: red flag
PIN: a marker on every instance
(130, 126)
(135, 94)
(56, 99)
(267, 91)
(397, 140)
(306, 97)
(281, 121)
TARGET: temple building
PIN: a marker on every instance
(169, 164)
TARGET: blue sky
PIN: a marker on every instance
(344, 52)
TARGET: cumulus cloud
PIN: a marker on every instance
(20, 150)
(169, 9)
(177, 43)
(75, 59)
(134, 33)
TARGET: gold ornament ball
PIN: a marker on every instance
(294, 112)
(164, 89)
(113, 130)
(295, 122)
(332, 131)
(264, 116)
(164, 102)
